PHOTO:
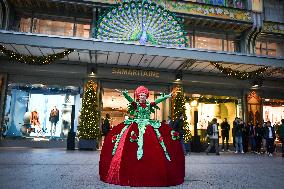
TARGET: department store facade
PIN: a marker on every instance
(240, 40)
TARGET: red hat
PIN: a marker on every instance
(141, 89)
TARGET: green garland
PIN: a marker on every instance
(34, 60)
(239, 74)
(272, 103)
(213, 100)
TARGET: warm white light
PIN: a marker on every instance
(256, 85)
(193, 103)
(195, 95)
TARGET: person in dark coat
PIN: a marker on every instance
(239, 136)
(225, 128)
(270, 137)
(106, 126)
(252, 136)
(178, 126)
(245, 137)
(258, 137)
(235, 122)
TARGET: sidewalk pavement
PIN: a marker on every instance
(57, 168)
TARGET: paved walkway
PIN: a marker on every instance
(22, 168)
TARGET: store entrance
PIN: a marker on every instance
(40, 112)
(209, 107)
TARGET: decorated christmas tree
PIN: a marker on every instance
(179, 108)
(89, 125)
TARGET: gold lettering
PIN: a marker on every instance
(124, 71)
(157, 74)
(145, 74)
(134, 72)
(113, 71)
(142, 73)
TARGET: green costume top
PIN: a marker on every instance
(141, 113)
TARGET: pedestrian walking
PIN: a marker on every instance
(213, 136)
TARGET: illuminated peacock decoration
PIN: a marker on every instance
(141, 22)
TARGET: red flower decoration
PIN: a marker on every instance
(113, 139)
(134, 137)
(176, 134)
(160, 139)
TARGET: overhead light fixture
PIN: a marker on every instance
(93, 71)
(257, 83)
(194, 103)
(196, 95)
(179, 76)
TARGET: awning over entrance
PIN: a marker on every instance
(122, 54)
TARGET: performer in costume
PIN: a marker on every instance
(141, 151)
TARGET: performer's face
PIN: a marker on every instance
(142, 97)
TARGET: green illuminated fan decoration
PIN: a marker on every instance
(143, 23)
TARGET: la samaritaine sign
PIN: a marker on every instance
(135, 72)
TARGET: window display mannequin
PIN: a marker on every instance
(35, 122)
(141, 151)
(53, 118)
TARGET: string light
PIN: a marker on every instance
(34, 60)
(213, 100)
(239, 74)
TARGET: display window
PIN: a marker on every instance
(274, 114)
(116, 105)
(40, 112)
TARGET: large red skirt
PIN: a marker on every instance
(153, 169)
